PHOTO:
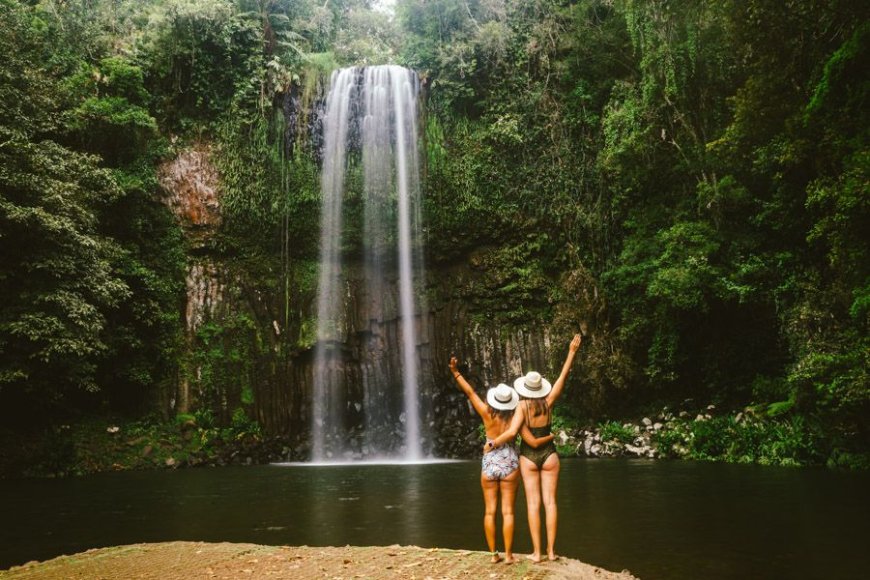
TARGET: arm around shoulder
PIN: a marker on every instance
(532, 441)
(514, 428)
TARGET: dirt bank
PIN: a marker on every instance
(184, 560)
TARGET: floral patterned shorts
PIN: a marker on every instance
(500, 463)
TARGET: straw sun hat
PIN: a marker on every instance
(502, 397)
(533, 386)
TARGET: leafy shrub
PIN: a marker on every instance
(204, 418)
(615, 431)
(670, 442)
(564, 421)
(788, 442)
(846, 460)
(242, 427)
(182, 418)
(710, 438)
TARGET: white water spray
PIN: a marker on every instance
(379, 104)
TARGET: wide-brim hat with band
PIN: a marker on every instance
(502, 398)
(533, 386)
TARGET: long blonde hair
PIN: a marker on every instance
(537, 406)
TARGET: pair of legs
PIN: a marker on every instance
(541, 483)
(508, 489)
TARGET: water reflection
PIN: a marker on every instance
(411, 499)
(658, 519)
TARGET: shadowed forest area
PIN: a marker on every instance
(684, 181)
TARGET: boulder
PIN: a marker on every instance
(613, 448)
(636, 450)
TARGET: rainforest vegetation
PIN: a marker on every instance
(685, 179)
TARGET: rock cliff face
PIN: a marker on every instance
(281, 370)
(370, 347)
(192, 191)
(493, 351)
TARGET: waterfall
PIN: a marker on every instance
(370, 120)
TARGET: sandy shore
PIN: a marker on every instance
(183, 560)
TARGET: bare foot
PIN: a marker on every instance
(509, 559)
(536, 558)
(496, 558)
(552, 557)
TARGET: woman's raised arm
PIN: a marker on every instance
(476, 401)
(566, 368)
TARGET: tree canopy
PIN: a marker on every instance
(696, 172)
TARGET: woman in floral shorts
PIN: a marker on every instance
(499, 471)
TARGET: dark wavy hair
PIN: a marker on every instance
(503, 415)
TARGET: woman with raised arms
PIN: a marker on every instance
(499, 474)
(539, 466)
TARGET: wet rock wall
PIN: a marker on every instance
(278, 365)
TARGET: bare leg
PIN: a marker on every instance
(490, 502)
(508, 487)
(549, 483)
(532, 485)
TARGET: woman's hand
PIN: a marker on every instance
(575, 343)
(566, 368)
(453, 364)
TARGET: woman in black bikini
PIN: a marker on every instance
(499, 474)
(540, 467)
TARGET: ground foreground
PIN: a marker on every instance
(183, 560)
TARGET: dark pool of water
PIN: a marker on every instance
(657, 519)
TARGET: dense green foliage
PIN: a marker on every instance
(684, 180)
(100, 444)
(95, 96)
(90, 272)
(704, 164)
(786, 442)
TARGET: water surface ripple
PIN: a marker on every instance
(657, 519)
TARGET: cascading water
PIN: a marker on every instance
(370, 118)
